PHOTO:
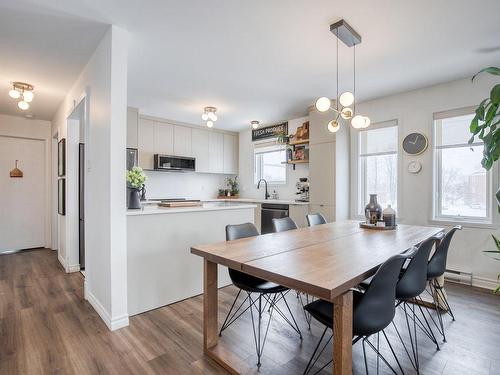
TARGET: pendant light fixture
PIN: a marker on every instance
(24, 92)
(209, 116)
(343, 31)
(255, 124)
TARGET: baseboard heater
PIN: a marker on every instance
(458, 277)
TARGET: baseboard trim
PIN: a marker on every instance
(113, 324)
(73, 268)
(62, 261)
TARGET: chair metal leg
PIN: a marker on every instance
(307, 316)
(259, 341)
(379, 355)
(413, 338)
(230, 319)
(435, 298)
(292, 323)
(310, 364)
(439, 290)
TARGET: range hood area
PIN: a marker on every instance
(174, 163)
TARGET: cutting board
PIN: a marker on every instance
(180, 204)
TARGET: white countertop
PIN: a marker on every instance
(153, 209)
(256, 200)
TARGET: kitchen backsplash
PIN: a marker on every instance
(183, 185)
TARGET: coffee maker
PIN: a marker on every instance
(302, 190)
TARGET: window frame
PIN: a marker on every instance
(491, 175)
(361, 191)
(268, 147)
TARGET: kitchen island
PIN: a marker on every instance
(161, 269)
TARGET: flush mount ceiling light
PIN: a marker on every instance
(344, 32)
(255, 124)
(209, 116)
(24, 92)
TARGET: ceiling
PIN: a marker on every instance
(253, 60)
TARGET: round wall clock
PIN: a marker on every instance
(415, 143)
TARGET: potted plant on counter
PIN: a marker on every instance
(135, 181)
(486, 126)
(234, 188)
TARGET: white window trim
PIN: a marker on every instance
(270, 146)
(358, 207)
(491, 219)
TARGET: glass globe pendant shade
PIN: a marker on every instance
(23, 105)
(333, 126)
(367, 122)
(28, 96)
(346, 99)
(14, 94)
(346, 113)
(212, 116)
(210, 123)
(323, 104)
(358, 122)
(204, 117)
(255, 124)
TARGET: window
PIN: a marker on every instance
(378, 165)
(462, 186)
(268, 165)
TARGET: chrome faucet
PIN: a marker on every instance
(258, 187)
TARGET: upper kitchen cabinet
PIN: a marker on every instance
(132, 127)
(318, 127)
(230, 154)
(216, 152)
(164, 138)
(200, 149)
(145, 143)
(182, 141)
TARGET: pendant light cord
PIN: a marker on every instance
(337, 97)
(354, 79)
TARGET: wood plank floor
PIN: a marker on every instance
(46, 327)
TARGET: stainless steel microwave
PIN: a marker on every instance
(173, 163)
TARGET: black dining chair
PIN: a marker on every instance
(283, 224)
(268, 291)
(435, 269)
(411, 284)
(373, 311)
(315, 219)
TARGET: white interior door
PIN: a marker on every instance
(22, 200)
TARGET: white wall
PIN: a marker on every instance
(14, 126)
(183, 185)
(104, 82)
(414, 112)
(248, 189)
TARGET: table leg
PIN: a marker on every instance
(342, 334)
(210, 310)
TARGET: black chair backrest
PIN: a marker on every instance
(437, 264)
(283, 224)
(414, 278)
(376, 308)
(315, 219)
(234, 232)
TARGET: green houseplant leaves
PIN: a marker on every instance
(486, 123)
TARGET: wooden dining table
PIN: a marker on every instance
(325, 261)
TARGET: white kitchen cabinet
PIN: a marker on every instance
(230, 154)
(298, 214)
(132, 127)
(163, 138)
(145, 143)
(216, 152)
(328, 168)
(200, 149)
(182, 141)
(322, 173)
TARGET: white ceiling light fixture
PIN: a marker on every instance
(255, 124)
(23, 91)
(209, 116)
(344, 32)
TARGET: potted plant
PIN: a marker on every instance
(486, 126)
(135, 181)
(233, 185)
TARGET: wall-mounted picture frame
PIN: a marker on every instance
(61, 157)
(61, 196)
